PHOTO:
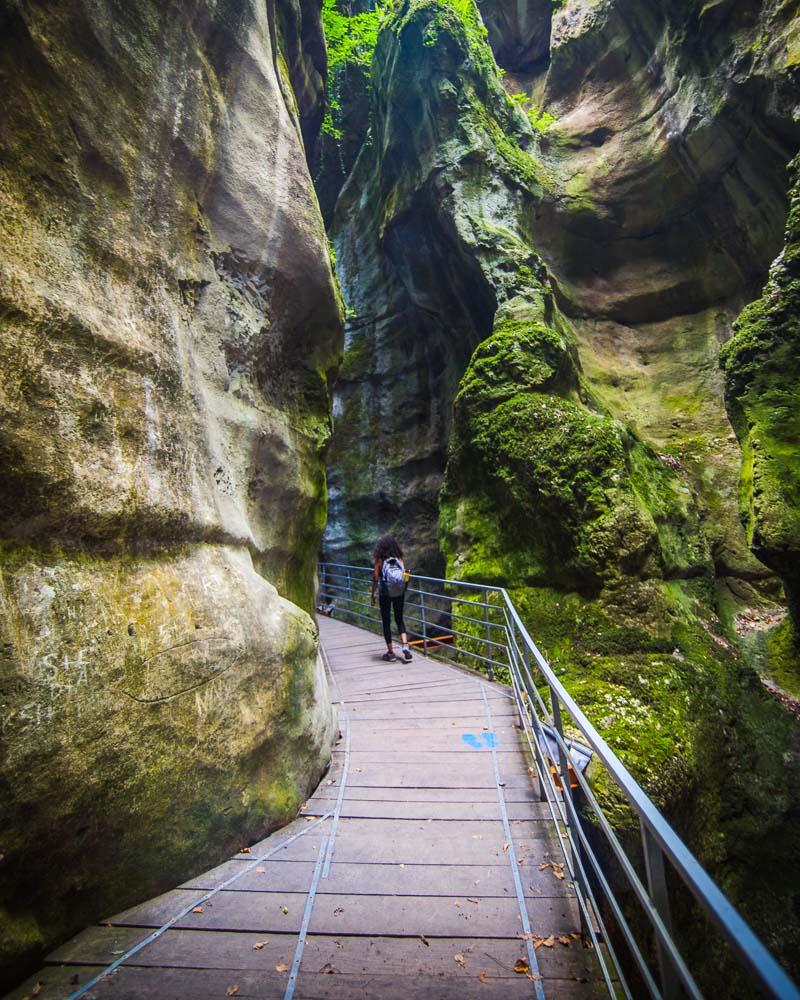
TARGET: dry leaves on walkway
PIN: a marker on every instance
(261, 870)
(459, 959)
(538, 940)
(482, 976)
(259, 945)
(281, 968)
(244, 850)
(522, 968)
(424, 940)
(232, 991)
(199, 909)
(556, 867)
(329, 970)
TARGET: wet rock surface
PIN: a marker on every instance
(168, 320)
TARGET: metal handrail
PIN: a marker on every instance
(529, 671)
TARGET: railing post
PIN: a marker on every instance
(349, 589)
(537, 731)
(657, 887)
(569, 803)
(423, 620)
(488, 634)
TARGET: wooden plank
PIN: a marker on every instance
(476, 881)
(397, 957)
(445, 842)
(433, 916)
(465, 812)
(431, 795)
(205, 984)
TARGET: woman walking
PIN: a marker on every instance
(388, 578)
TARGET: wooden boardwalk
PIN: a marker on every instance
(402, 879)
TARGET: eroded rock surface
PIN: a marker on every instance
(168, 319)
(554, 410)
(762, 385)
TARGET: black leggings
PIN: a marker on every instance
(387, 603)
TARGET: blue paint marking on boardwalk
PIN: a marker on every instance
(474, 742)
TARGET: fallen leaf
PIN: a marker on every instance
(402, 866)
(424, 940)
(244, 850)
(281, 968)
(482, 976)
(459, 959)
(328, 969)
(232, 991)
(564, 940)
(261, 870)
(338, 944)
(258, 945)
(338, 910)
(37, 989)
(330, 781)
(284, 909)
(549, 941)
(505, 847)
(471, 899)
(310, 817)
(521, 967)
(199, 909)
(545, 864)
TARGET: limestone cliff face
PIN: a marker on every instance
(529, 411)
(168, 319)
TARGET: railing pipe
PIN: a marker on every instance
(658, 838)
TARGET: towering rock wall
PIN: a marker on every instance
(762, 390)
(168, 321)
(531, 392)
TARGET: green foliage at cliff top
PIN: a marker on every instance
(351, 38)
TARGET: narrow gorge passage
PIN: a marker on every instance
(517, 280)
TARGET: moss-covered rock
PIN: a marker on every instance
(600, 543)
(762, 391)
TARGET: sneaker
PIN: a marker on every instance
(389, 657)
(407, 654)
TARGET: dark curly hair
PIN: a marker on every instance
(385, 547)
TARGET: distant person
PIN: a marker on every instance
(390, 579)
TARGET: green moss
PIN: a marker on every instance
(782, 658)
(762, 393)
